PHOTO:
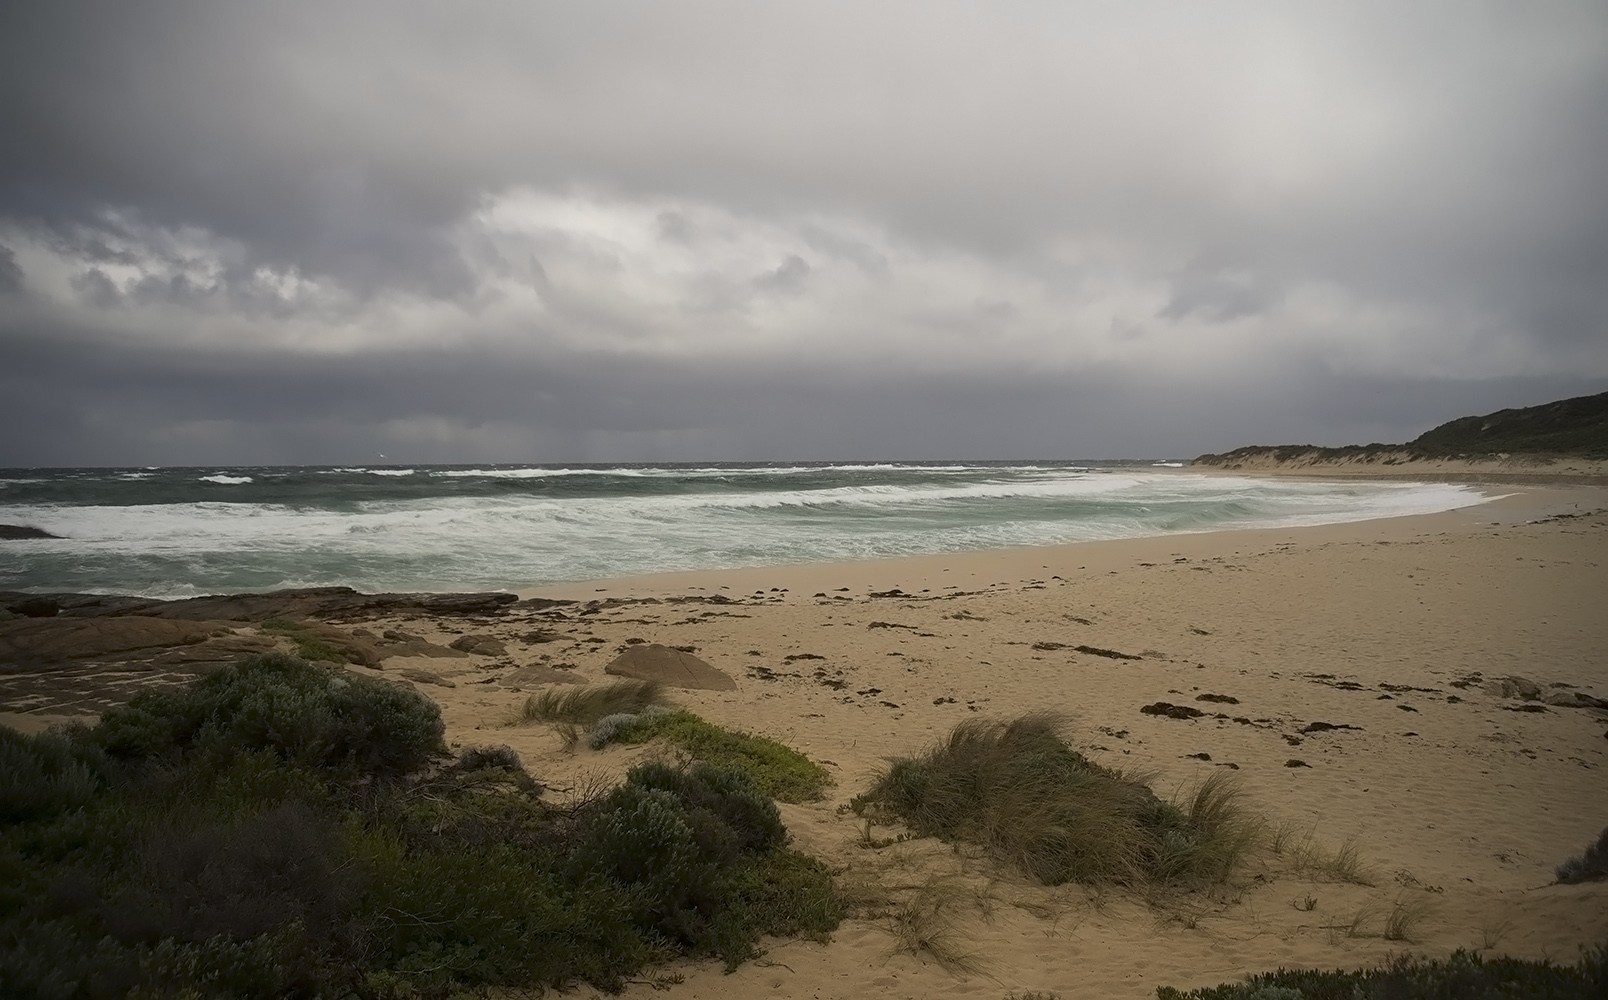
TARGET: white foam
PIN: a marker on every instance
(226, 480)
(480, 541)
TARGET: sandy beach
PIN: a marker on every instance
(1396, 633)
(1357, 675)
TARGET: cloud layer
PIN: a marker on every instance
(303, 232)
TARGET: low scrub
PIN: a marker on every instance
(1032, 801)
(775, 768)
(1463, 976)
(279, 829)
(587, 704)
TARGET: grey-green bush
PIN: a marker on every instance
(320, 715)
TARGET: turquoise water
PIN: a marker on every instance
(179, 532)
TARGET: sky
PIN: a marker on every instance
(480, 231)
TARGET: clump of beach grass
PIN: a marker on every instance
(1022, 793)
(587, 704)
(775, 768)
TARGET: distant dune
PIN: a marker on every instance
(1566, 439)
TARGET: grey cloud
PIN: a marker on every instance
(788, 276)
(10, 273)
(1424, 179)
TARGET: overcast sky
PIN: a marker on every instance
(237, 233)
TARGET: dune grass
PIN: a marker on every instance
(1303, 854)
(775, 768)
(1020, 791)
(926, 925)
(586, 704)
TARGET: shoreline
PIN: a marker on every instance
(1503, 502)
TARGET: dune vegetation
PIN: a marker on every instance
(283, 828)
(1021, 792)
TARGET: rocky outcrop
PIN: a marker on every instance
(310, 602)
(35, 643)
(9, 532)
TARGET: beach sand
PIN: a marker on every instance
(1459, 799)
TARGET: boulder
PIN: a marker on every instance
(670, 667)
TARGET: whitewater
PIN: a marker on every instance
(180, 532)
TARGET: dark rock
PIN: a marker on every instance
(9, 532)
(308, 602)
(1324, 727)
(1293, 762)
(38, 607)
(1222, 699)
(1199, 756)
(1172, 711)
(1109, 653)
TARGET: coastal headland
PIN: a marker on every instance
(1428, 691)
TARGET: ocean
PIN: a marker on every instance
(181, 532)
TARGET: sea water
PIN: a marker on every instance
(179, 532)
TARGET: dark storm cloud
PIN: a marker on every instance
(536, 230)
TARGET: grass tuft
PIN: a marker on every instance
(925, 925)
(566, 703)
(1405, 914)
(1031, 801)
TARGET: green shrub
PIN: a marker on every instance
(308, 646)
(775, 769)
(1032, 801)
(304, 712)
(45, 774)
(1462, 976)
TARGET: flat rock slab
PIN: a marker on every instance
(308, 602)
(31, 643)
(670, 667)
